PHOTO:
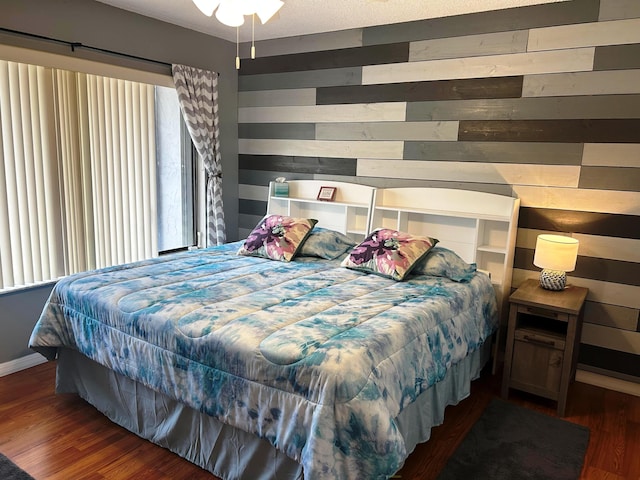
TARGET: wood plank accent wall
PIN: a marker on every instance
(541, 102)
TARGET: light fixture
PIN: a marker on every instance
(232, 12)
(207, 6)
(556, 255)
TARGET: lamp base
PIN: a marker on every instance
(553, 279)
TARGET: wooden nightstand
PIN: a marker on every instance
(543, 337)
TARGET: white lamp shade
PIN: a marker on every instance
(267, 9)
(207, 6)
(556, 252)
(230, 14)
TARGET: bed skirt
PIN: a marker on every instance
(225, 451)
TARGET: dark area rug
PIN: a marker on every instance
(10, 471)
(510, 442)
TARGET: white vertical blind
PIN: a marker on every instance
(77, 179)
(122, 139)
(30, 215)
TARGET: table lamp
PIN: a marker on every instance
(556, 255)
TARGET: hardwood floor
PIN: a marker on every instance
(62, 437)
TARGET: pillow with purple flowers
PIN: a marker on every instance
(389, 253)
(277, 237)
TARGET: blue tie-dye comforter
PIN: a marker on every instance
(317, 359)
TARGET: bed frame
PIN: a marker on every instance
(480, 227)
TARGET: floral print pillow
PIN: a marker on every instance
(277, 237)
(389, 253)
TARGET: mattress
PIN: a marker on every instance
(317, 360)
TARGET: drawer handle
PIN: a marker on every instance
(549, 343)
(540, 311)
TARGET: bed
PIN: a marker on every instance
(257, 368)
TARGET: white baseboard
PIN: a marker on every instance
(609, 383)
(22, 363)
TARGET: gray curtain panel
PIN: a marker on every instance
(198, 96)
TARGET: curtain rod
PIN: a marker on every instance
(78, 45)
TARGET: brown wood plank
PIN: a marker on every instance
(569, 131)
(345, 57)
(603, 269)
(461, 89)
(617, 57)
(76, 441)
(593, 223)
(315, 165)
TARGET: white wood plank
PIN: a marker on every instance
(611, 338)
(364, 112)
(611, 154)
(615, 32)
(604, 201)
(322, 148)
(575, 60)
(602, 292)
(502, 173)
(270, 98)
(469, 46)
(614, 82)
(420, 131)
(625, 249)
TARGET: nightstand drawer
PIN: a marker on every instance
(543, 312)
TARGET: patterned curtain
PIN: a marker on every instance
(198, 96)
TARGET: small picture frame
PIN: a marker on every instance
(327, 193)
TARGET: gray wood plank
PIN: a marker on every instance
(298, 131)
(610, 178)
(617, 57)
(531, 108)
(273, 98)
(619, 9)
(252, 207)
(485, 22)
(469, 46)
(247, 221)
(320, 78)
(496, 152)
(582, 83)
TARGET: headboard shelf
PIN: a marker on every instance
(349, 212)
(444, 213)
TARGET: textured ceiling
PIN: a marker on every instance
(300, 17)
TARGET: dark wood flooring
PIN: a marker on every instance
(63, 438)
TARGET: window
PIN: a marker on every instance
(176, 167)
(79, 187)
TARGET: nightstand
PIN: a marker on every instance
(543, 337)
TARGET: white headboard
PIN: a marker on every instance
(480, 227)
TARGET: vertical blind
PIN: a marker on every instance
(77, 180)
